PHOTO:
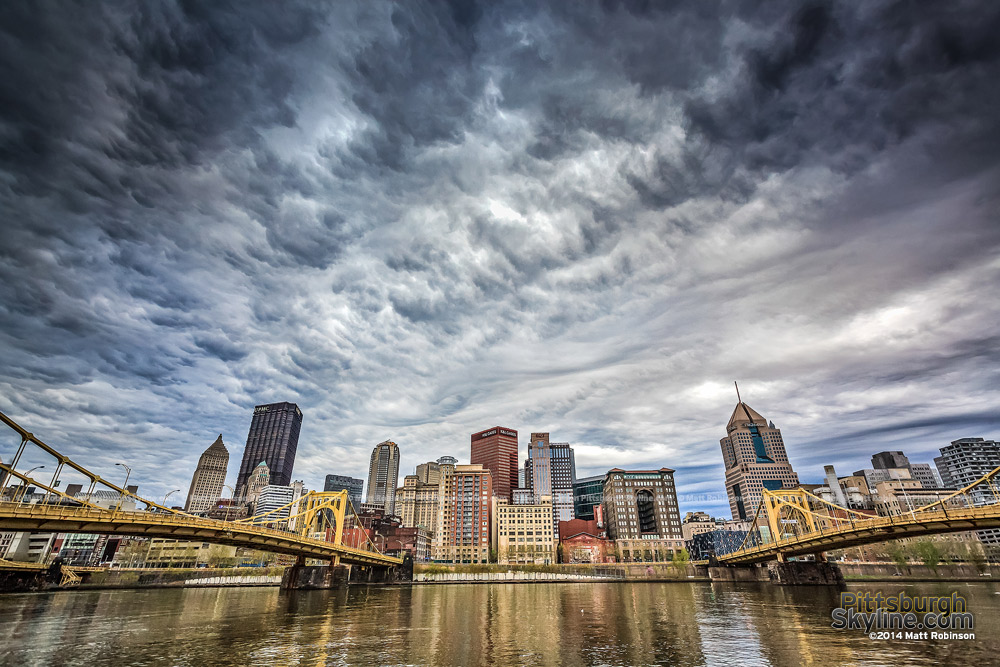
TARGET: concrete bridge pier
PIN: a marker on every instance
(304, 577)
(817, 572)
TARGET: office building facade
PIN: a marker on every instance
(417, 503)
(922, 472)
(522, 534)
(496, 450)
(273, 438)
(550, 471)
(352, 485)
(383, 476)
(755, 459)
(641, 514)
(588, 492)
(208, 479)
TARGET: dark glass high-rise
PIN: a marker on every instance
(273, 438)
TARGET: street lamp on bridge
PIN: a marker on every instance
(24, 483)
(128, 471)
(167, 495)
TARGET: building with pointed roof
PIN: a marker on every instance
(209, 478)
(755, 459)
(259, 478)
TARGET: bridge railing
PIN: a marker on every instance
(110, 518)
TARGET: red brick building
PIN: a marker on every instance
(583, 541)
(496, 450)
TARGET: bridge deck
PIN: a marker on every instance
(871, 531)
(64, 519)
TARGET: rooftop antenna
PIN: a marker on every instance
(742, 404)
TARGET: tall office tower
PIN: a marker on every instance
(755, 459)
(259, 478)
(922, 472)
(496, 450)
(383, 475)
(587, 493)
(429, 473)
(273, 437)
(550, 471)
(417, 502)
(209, 476)
(352, 485)
(463, 534)
(641, 515)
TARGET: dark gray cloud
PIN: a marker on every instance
(420, 219)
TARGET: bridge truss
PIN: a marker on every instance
(319, 525)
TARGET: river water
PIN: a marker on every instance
(475, 624)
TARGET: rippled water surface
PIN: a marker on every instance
(498, 624)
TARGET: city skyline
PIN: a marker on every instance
(413, 221)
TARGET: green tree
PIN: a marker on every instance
(897, 554)
(977, 558)
(929, 553)
(681, 559)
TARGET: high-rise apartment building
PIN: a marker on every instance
(383, 475)
(641, 514)
(208, 479)
(755, 459)
(966, 460)
(496, 450)
(463, 530)
(922, 472)
(352, 485)
(273, 437)
(550, 471)
(417, 502)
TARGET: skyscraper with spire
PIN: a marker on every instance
(209, 476)
(755, 459)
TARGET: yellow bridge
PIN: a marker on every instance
(320, 519)
(793, 522)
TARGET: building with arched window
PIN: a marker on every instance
(641, 514)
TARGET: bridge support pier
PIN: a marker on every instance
(304, 577)
(309, 577)
(805, 573)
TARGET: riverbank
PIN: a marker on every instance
(433, 573)
(859, 572)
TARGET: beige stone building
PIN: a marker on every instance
(417, 502)
(208, 479)
(522, 534)
(177, 553)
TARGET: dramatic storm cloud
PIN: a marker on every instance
(418, 220)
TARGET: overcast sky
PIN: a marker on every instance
(417, 221)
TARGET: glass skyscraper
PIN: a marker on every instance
(273, 438)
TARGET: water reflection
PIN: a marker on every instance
(503, 624)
